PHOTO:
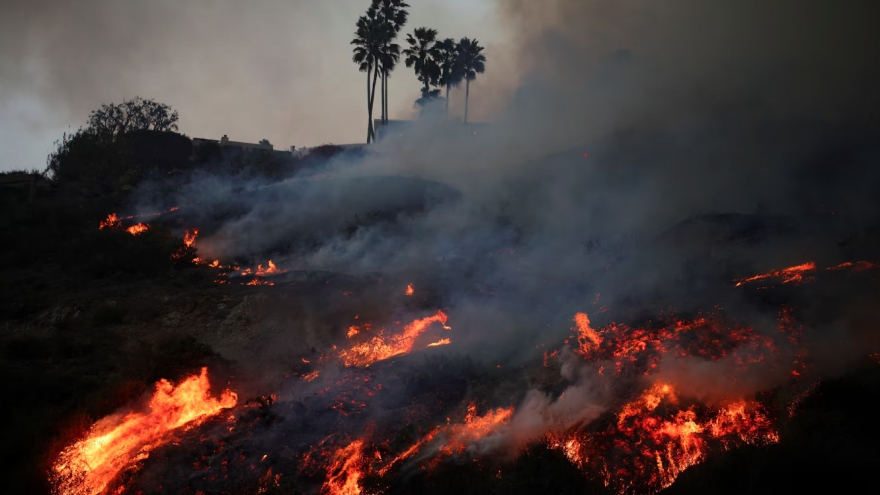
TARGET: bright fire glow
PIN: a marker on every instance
(189, 237)
(111, 222)
(792, 274)
(381, 347)
(440, 342)
(137, 229)
(118, 441)
(410, 290)
(459, 436)
(345, 471)
(588, 339)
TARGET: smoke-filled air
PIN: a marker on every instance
(603, 246)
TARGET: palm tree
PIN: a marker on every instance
(370, 39)
(472, 62)
(393, 12)
(422, 57)
(450, 70)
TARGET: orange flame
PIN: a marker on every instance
(460, 436)
(137, 229)
(410, 290)
(380, 347)
(118, 441)
(440, 342)
(344, 472)
(311, 376)
(111, 222)
(793, 274)
(189, 238)
(588, 339)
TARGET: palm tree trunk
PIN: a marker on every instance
(447, 102)
(382, 90)
(369, 111)
(467, 95)
(387, 117)
(373, 99)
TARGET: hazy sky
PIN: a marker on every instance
(275, 69)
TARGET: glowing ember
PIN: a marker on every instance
(344, 471)
(858, 266)
(214, 264)
(111, 222)
(440, 342)
(381, 347)
(118, 441)
(793, 274)
(353, 330)
(410, 290)
(310, 376)
(588, 339)
(137, 229)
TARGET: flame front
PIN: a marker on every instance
(111, 222)
(460, 436)
(793, 274)
(381, 347)
(117, 442)
(410, 290)
(137, 229)
(189, 237)
(588, 339)
(344, 472)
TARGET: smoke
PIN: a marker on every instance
(650, 149)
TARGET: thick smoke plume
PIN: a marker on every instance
(632, 124)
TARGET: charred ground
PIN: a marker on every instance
(92, 318)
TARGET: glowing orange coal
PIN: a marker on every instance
(382, 347)
(117, 442)
(137, 229)
(345, 471)
(792, 274)
(410, 290)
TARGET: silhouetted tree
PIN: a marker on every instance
(121, 144)
(472, 62)
(265, 142)
(133, 115)
(450, 69)
(395, 14)
(422, 57)
(371, 36)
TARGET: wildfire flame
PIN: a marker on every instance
(792, 274)
(189, 237)
(588, 339)
(410, 290)
(381, 347)
(137, 229)
(459, 436)
(111, 222)
(345, 471)
(118, 441)
(440, 342)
